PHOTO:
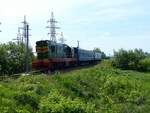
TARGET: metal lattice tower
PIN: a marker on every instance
(52, 28)
(19, 37)
(62, 39)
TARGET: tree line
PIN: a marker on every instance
(12, 59)
(135, 59)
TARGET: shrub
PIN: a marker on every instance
(27, 99)
(6, 105)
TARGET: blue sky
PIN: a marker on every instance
(106, 24)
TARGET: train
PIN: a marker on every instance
(52, 56)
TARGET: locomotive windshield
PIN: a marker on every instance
(42, 49)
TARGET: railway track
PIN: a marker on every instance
(57, 71)
(66, 70)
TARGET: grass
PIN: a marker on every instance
(98, 89)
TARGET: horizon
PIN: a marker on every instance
(108, 25)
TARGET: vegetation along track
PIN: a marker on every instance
(96, 89)
(57, 71)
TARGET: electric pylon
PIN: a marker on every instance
(52, 28)
(62, 39)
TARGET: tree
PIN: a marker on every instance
(97, 50)
(128, 59)
(12, 58)
(121, 59)
(144, 64)
(102, 53)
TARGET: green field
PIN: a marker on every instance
(100, 89)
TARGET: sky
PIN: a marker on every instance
(105, 24)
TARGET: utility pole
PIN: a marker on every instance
(27, 50)
(26, 39)
(25, 29)
(52, 28)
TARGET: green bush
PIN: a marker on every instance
(27, 99)
(6, 105)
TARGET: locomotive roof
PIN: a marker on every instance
(51, 42)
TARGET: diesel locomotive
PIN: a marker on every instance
(52, 56)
